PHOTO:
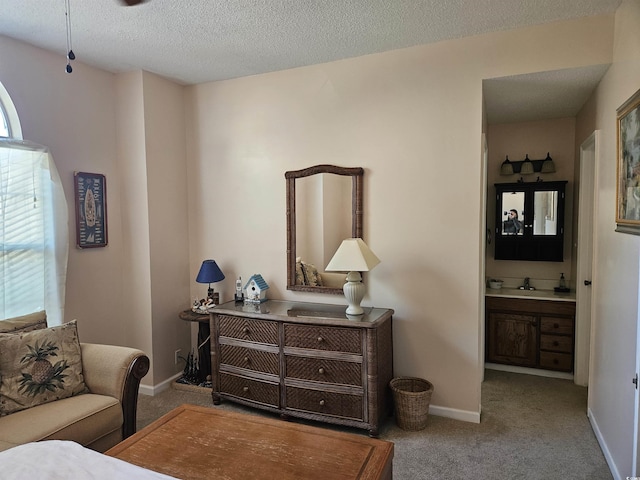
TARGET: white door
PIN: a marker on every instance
(588, 152)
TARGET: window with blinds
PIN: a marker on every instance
(33, 226)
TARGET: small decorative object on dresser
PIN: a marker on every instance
(239, 296)
(256, 289)
(304, 360)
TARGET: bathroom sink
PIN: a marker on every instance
(539, 294)
(520, 291)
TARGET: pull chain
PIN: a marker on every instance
(70, 54)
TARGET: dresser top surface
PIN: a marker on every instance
(303, 312)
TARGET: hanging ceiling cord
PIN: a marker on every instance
(70, 54)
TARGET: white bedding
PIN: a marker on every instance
(65, 460)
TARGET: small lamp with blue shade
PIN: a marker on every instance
(209, 273)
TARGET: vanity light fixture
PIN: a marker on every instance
(507, 167)
(209, 273)
(353, 256)
(527, 166)
(547, 165)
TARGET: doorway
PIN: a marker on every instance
(584, 270)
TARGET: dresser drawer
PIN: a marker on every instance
(333, 339)
(556, 325)
(252, 359)
(249, 389)
(556, 343)
(323, 370)
(556, 361)
(325, 403)
(260, 331)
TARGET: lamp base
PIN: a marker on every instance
(214, 296)
(354, 293)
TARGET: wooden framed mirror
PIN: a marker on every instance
(329, 201)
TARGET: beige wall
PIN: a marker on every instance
(74, 115)
(413, 119)
(168, 221)
(617, 256)
(93, 121)
(151, 149)
(535, 139)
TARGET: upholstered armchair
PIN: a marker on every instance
(98, 414)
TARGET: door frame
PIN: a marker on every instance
(584, 256)
(635, 465)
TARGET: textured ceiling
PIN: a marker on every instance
(199, 41)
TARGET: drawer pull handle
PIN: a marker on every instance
(555, 361)
(321, 371)
(320, 339)
(245, 389)
(247, 360)
(322, 403)
(245, 330)
(556, 325)
(556, 343)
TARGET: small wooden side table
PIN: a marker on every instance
(204, 352)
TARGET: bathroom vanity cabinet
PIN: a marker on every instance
(530, 333)
(538, 231)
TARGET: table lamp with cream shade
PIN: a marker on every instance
(353, 256)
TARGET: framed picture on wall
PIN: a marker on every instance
(91, 209)
(628, 151)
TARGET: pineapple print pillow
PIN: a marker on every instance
(39, 367)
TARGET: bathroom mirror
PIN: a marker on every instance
(324, 206)
(530, 221)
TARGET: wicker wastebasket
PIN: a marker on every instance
(411, 398)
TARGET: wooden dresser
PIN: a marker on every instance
(304, 360)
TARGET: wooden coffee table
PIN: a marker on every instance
(193, 442)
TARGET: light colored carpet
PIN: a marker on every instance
(532, 428)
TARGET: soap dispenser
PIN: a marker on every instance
(562, 283)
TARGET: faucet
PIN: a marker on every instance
(526, 285)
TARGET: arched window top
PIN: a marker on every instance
(9, 121)
(4, 123)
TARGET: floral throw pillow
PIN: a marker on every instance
(307, 274)
(39, 367)
(311, 275)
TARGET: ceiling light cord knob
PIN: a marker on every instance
(70, 55)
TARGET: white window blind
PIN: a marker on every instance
(33, 232)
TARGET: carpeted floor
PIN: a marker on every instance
(531, 428)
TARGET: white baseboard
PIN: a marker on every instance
(161, 387)
(529, 371)
(464, 415)
(603, 446)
